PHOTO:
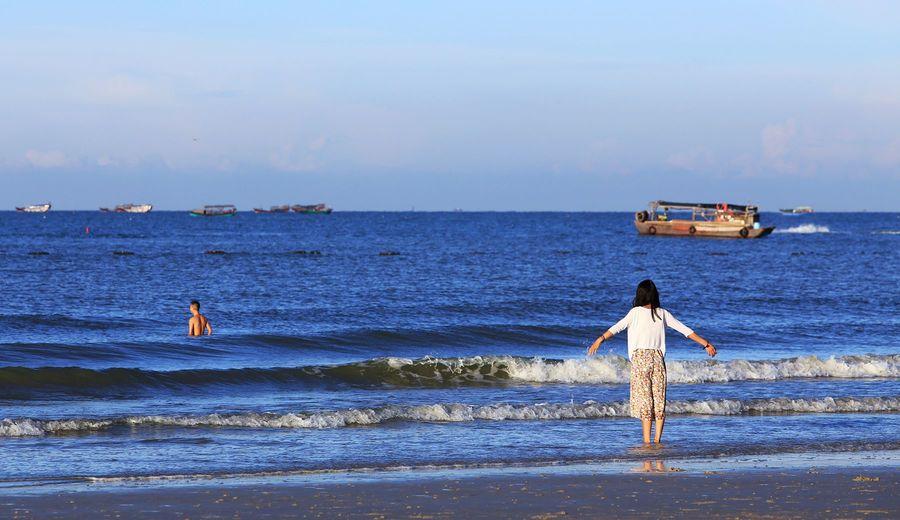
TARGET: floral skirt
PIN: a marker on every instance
(648, 384)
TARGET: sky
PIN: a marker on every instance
(501, 105)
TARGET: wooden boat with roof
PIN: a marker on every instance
(273, 209)
(311, 208)
(718, 220)
(215, 210)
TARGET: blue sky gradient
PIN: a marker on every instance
(475, 105)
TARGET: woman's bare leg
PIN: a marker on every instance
(646, 425)
(660, 423)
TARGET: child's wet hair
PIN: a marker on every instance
(195, 303)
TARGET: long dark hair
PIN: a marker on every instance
(647, 294)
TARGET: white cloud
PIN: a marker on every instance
(291, 158)
(121, 89)
(597, 155)
(48, 159)
(889, 154)
(776, 139)
(696, 160)
(778, 146)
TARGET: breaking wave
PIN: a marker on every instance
(615, 369)
(804, 229)
(454, 412)
(432, 372)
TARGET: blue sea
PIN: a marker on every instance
(404, 340)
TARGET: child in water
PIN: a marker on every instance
(198, 322)
(646, 323)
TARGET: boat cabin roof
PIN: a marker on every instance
(667, 205)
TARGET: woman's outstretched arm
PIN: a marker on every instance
(603, 337)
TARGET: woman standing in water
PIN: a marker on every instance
(646, 323)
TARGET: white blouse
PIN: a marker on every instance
(644, 332)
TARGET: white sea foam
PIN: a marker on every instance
(804, 229)
(615, 369)
(456, 412)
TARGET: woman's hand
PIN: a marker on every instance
(591, 351)
(707, 346)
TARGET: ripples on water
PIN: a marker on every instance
(463, 345)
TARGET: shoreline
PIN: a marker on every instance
(744, 462)
(807, 485)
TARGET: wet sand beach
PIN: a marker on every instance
(810, 493)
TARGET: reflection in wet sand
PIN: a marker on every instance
(651, 466)
(652, 459)
(656, 466)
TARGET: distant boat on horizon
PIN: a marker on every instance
(799, 210)
(215, 210)
(129, 208)
(34, 208)
(274, 209)
(311, 208)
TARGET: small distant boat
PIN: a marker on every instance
(273, 209)
(129, 208)
(34, 208)
(799, 210)
(215, 210)
(720, 220)
(312, 208)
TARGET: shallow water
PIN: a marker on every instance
(467, 347)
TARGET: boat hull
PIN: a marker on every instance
(37, 208)
(129, 208)
(135, 208)
(311, 209)
(690, 228)
(202, 214)
(273, 209)
(214, 210)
